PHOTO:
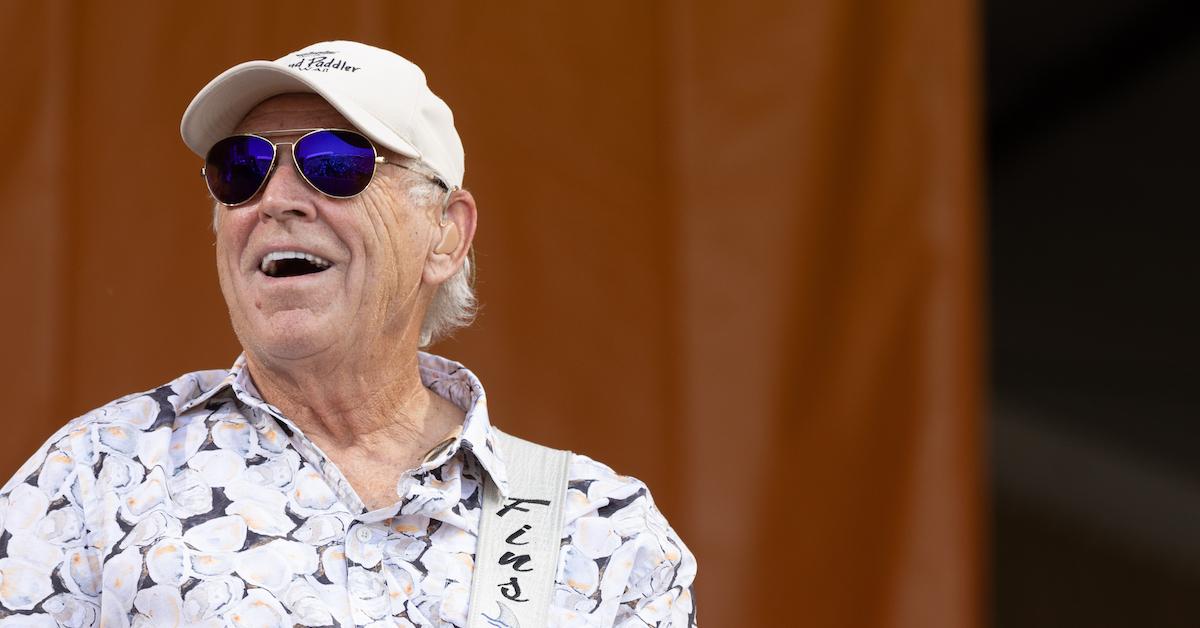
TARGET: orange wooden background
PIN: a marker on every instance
(731, 249)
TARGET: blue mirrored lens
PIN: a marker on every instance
(338, 163)
(236, 167)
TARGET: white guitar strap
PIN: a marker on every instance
(519, 538)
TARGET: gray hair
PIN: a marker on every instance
(453, 305)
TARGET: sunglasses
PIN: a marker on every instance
(335, 162)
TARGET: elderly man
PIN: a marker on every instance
(335, 475)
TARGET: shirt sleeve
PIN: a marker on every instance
(621, 563)
(659, 589)
(49, 575)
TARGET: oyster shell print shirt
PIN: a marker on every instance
(199, 504)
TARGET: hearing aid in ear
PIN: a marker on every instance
(449, 238)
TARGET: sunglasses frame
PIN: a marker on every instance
(264, 135)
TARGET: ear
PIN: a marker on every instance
(452, 238)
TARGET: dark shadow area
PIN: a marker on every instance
(1094, 151)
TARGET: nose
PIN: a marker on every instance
(286, 196)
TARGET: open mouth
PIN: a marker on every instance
(292, 264)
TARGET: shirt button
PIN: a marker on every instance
(364, 534)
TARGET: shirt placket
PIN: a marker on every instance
(367, 591)
(373, 591)
(369, 594)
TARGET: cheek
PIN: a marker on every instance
(396, 239)
(232, 232)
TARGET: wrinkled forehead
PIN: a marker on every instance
(292, 111)
(301, 111)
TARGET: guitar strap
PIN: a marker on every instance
(519, 538)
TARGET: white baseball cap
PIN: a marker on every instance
(381, 93)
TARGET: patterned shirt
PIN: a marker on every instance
(199, 504)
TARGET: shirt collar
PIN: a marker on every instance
(449, 379)
(458, 385)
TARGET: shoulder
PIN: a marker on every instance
(53, 534)
(115, 427)
(594, 489)
(600, 499)
(619, 552)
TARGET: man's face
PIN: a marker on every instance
(376, 243)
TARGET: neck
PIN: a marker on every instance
(377, 405)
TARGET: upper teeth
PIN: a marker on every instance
(275, 256)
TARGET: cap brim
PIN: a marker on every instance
(221, 105)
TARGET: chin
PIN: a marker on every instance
(289, 335)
